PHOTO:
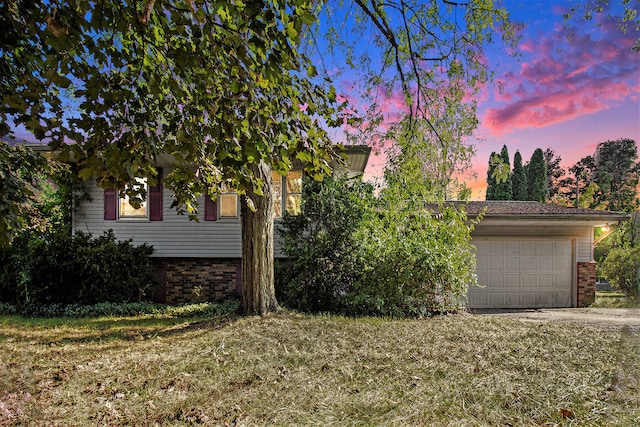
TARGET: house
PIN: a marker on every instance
(194, 260)
(529, 254)
(535, 255)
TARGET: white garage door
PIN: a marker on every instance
(523, 274)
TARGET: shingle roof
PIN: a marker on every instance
(496, 208)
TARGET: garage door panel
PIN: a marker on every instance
(496, 263)
(544, 299)
(546, 281)
(494, 281)
(528, 281)
(512, 264)
(529, 263)
(527, 299)
(496, 299)
(512, 281)
(496, 248)
(561, 263)
(523, 273)
(512, 248)
(546, 263)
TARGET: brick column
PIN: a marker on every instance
(586, 283)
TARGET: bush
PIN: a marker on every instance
(622, 269)
(353, 253)
(420, 262)
(57, 268)
(121, 309)
(326, 261)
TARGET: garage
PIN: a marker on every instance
(523, 273)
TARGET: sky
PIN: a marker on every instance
(564, 93)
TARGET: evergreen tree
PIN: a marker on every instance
(519, 179)
(503, 186)
(491, 179)
(537, 177)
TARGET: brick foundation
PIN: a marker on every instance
(197, 279)
(586, 283)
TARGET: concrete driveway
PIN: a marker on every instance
(602, 318)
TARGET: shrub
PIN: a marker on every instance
(326, 261)
(420, 262)
(57, 268)
(353, 253)
(622, 269)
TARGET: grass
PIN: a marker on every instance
(615, 299)
(292, 369)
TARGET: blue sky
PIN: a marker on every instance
(569, 88)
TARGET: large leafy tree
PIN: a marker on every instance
(537, 177)
(555, 172)
(617, 172)
(223, 88)
(20, 183)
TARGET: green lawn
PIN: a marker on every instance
(292, 369)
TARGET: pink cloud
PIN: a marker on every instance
(566, 78)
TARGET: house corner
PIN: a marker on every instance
(586, 283)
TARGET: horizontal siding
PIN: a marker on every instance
(174, 236)
(584, 249)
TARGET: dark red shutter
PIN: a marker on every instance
(210, 209)
(110, 204)
(155, 199)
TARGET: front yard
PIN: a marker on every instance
(292, 369)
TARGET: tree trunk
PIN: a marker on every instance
(258, 291)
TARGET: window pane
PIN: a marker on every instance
(126, 210)
(228, 205)
(294, 192)
(277, 194)
(293, 203)
(294, 182)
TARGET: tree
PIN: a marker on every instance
(20, 181)
(222, 88)
(519, 179)
(621, 267)
(499, 176)
(617, 173)
(583, 172)
(554, 172)
(491, 177)
(504, 187)
(628, 19)
(537, 177)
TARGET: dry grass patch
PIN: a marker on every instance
(293, 369)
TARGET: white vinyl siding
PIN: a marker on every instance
(174, 236)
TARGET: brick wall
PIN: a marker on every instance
(586, 283)
(197, 279)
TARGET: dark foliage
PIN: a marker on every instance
(57, 268)
(519, 179)
(326, 258)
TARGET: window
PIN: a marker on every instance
(116, 207)
(287, 192)
(139, 207)
(228, 204)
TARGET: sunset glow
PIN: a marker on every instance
(573, 85)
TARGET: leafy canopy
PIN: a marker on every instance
(217, 86)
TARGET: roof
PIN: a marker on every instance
(535, 210)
